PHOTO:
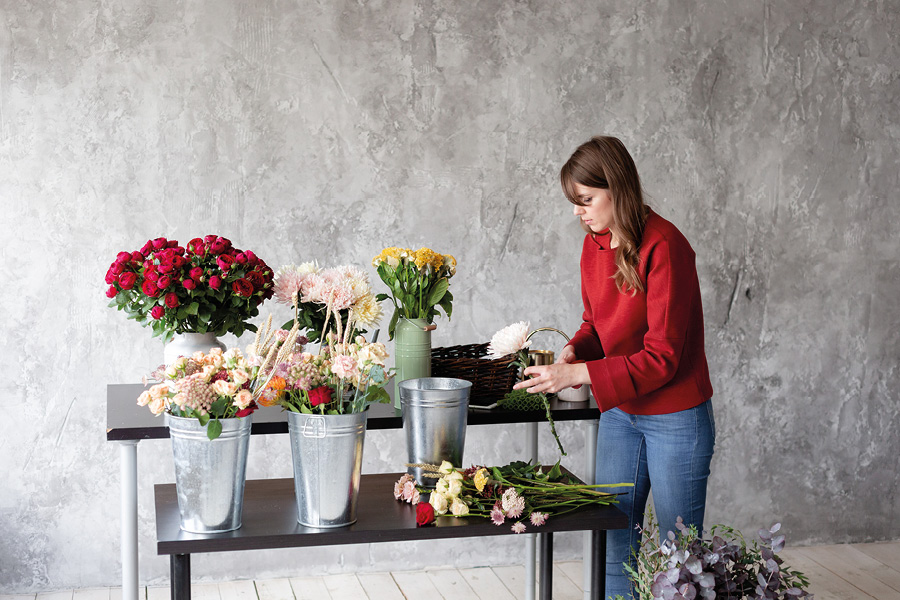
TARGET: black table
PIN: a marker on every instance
(270, 521)
(127, 423)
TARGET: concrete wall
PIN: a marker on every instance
(767, 131)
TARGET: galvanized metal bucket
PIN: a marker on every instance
(210, 474)
(434, 418)
(327, 451)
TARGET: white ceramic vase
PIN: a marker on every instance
(186, 344)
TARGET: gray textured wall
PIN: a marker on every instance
(767, 131)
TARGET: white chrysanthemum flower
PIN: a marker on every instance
(366, 311)
(509, 340)
(288, 280)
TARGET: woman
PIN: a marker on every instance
(640, 347)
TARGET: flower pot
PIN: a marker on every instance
(210, 474)
(412, 352)
(185, 344)
(327, 452)
(435, 413)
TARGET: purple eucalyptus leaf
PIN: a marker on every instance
(774, 528)
(693, 565)
(687, 591)
(778, 543)
(672, 575)
(772, 565)
(706, 580)
(794, 592)
(761, 580)
(765, 535)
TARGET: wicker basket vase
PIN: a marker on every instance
(491, 379)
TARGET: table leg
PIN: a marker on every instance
(546, 542)
(129, 540)
(590, 469)
(598, 567)
(531, 451)
(180, 576)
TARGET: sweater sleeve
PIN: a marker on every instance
(671, 279)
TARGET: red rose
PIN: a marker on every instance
(178, 261)
(159, 243)
(151, 274)
(137, 257)
(189, 284)
(210, 239)
(116, 268)
(251, 258)
(196, 273)
(172, 244)
(215, 282)
(163, 282)
(111, 292)
(246, 411)
(242, 287)
(111, 276)
(165, 267)
(146, 249)
(256, 279)
(225, 262)
(123, 257)
(127, 280)
(220, 245)
(157, 312)
(171, 300)
(195, 246)
(320, 395)
(424, 514)
(240, 258)
(149, 288)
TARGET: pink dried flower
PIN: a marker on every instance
(497, 515)
(538, 518)
(415, 497)
(519, 527)
(518, 507)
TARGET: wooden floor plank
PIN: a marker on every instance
(308, 588)
(92, 594)
(415, 584)
(242, 589)
(563, 587)
(205, 591)
(823, 584)
(513, 577)
(486, 584)
(273, 589)
(115, 593)
(574, 570)
(344, 587)
(887, 553)
(858, 568)
(17, 596)
(380, 586)
(64, 595)
(451, 584)
(159, 593)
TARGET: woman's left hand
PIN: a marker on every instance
(552, 378)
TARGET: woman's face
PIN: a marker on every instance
(597, 212)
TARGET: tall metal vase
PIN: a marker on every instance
(210, 474)
(412, 352)
(327, 452)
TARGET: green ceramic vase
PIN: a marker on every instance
(412, 352)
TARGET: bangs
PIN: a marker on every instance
(571, 174)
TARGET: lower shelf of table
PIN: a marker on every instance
(270, 521)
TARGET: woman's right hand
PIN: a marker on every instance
(567, 355)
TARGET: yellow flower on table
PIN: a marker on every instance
(481, 479)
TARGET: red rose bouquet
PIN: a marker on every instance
(210, 286)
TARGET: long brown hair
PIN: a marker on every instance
(603, 162)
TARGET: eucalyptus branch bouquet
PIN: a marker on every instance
(419, 281)
(517, 492)
(726, 567)
(513, 340)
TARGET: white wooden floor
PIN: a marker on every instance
(841, 572)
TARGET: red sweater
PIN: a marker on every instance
(653, 341)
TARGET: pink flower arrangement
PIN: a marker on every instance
(208, 286)
(208, 387)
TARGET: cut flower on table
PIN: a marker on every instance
(519, 494)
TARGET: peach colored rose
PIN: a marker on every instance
(157, 405)
(243, 399)
(223, 388)
(144, 398)
(239, 376)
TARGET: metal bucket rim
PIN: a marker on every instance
(410, 383)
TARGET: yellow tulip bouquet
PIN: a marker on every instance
(419, 282)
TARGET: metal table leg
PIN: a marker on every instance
(590, 468)
(598, 568)
(129, 541)
(546, 540)
(531, 451)
(180, 576)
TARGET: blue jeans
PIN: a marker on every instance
(670, 453)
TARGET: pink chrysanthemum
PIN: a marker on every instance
(519, 527)
(538, 518)
(517, 508)
(288, 280)
(408, 488)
